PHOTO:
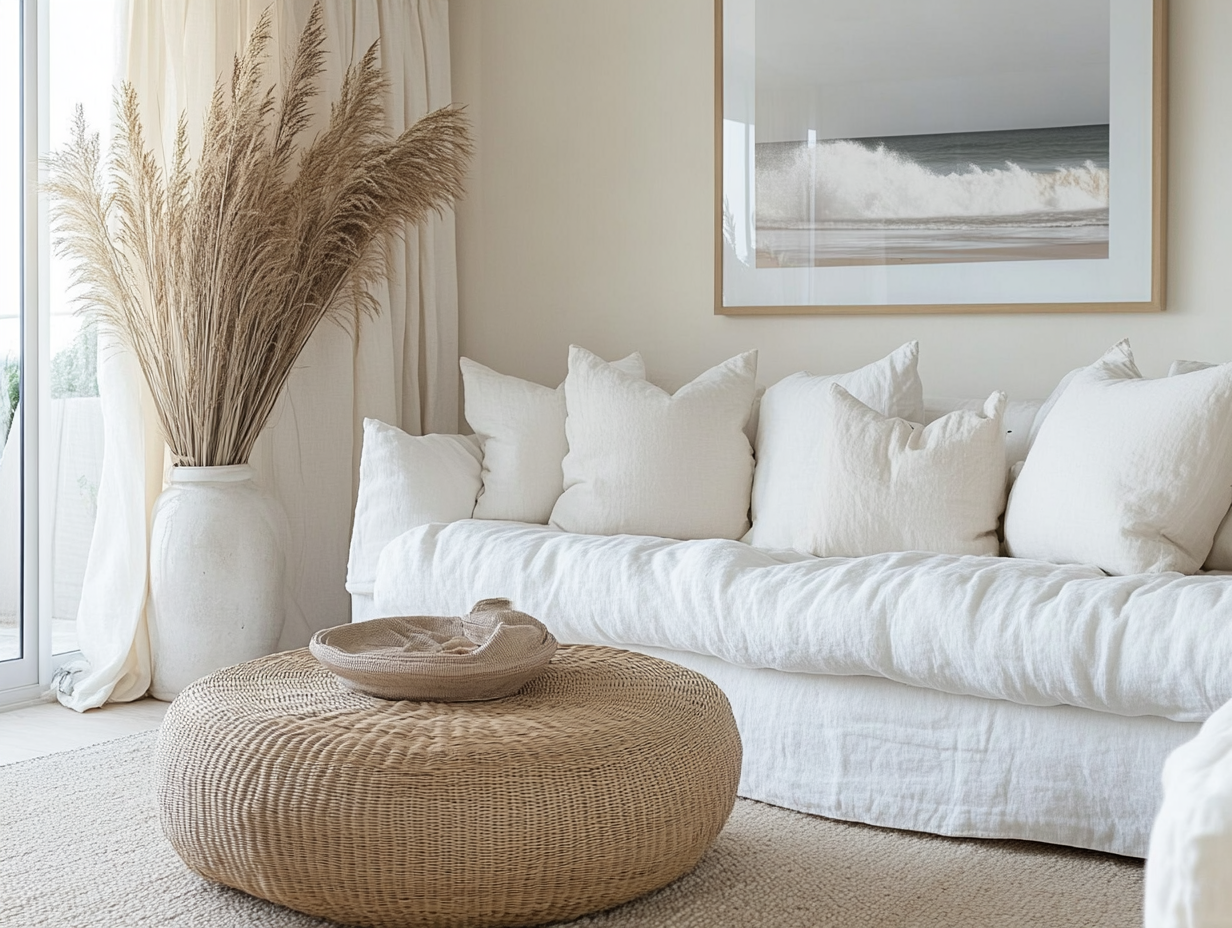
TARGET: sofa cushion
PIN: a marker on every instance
(642, 461)
(405, 481)
(791, 439)
(521, 429)
(887, 485)
(1029, 632)
(1128, 474)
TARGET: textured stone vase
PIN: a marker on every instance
(216, 575)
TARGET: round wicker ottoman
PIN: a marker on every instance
(604, 778)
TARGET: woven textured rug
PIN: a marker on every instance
(80, 845)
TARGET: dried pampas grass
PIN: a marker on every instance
(217, 274)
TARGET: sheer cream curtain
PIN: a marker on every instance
(402, 369)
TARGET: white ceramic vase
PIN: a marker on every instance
(216, 575)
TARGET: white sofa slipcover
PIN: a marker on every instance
(972, 696)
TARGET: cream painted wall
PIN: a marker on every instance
(589, 213)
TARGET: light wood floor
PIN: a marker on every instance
(48, 727)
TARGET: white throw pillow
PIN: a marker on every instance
(406, 481)
(645, 462)
(791, 439)
(521, 430)
(1017, 420)
(1118, 358)
(1128, 474)
(1118, 355)
(886, 484)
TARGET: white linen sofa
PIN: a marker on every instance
(970, 696)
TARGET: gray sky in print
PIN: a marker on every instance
(860, 68)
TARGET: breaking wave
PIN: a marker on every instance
(855, 183)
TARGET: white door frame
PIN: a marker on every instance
(29, 677)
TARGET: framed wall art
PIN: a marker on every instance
(892, 156)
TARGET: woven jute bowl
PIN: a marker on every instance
(497, 649)
(605, 777)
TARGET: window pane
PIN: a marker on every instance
(10, 328)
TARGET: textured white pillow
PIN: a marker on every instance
(1119, 358)
(1127, 474)
(791, 439)
(886, 484)
(521, 429)
(645, 462)
(406, 481)
(1017, 420)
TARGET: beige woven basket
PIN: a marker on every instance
(490, 653)
(606, 777)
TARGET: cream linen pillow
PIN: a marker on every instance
(1119, 359)
(1127, 474)
(645, 462)
(406, 481)
(886, 484)
(521, 429)
(791, 440)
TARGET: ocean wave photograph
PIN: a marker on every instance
(1002, 195)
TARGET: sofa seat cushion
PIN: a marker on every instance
(1003, 628)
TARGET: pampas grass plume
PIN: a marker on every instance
(216, 273)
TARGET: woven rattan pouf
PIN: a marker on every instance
(604, 778)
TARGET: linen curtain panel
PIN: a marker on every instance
(402, 369)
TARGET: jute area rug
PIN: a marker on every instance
(80, 846)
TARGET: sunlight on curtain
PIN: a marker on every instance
(82, 49)
(98, 449)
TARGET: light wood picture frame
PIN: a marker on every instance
(940, 156)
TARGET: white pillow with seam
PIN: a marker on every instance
(406, 481)
(1119, 356)
(791, 439)
(1127, 474)
(642, 461)
(1220, 557)
(521, 430)
(886, 484)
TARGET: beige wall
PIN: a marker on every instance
(589, 216)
